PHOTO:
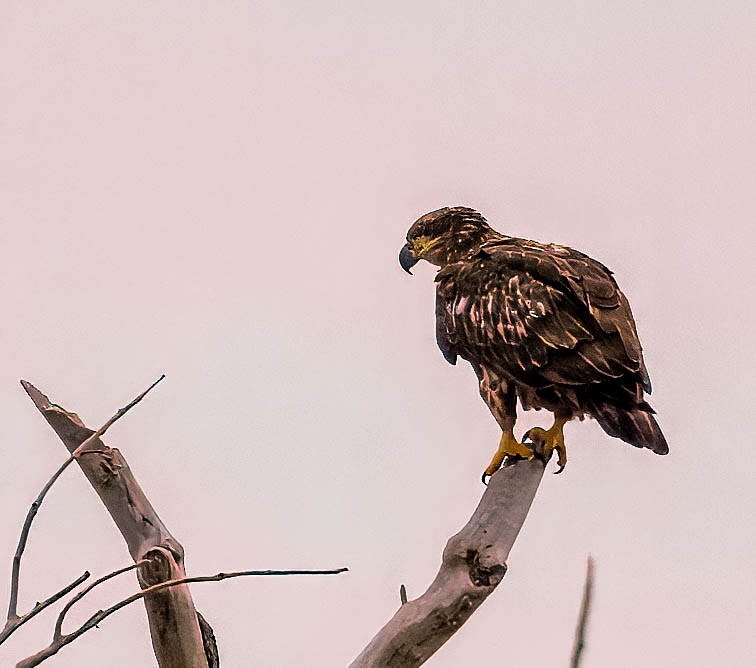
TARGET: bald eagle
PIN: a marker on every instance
(541, 323)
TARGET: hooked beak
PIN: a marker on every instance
(407, 260)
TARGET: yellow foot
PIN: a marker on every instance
(547, 441)
(509, 447)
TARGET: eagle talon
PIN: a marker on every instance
(547, 441)
(536, 438)
(561, 457)
(510, 450)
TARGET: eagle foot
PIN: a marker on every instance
(546, 441)
(510, 448)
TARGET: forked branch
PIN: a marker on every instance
(60, 640)
(181, 637)
(13, 621)
(174, 627)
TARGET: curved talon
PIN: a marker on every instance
(547, 441)
(538, 437)
(509, 451)
(561, 457)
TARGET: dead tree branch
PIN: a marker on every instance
(174, 627)
(12, 618)
(585, 609)
(15, 622)
(58, 631)
(60, 640)
(474, 562)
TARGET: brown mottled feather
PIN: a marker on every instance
(552, 323)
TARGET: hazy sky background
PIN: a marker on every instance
(218, 191)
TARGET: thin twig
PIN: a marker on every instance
(119, 414)
(58, 633)
(12, 624)
(13, 601)
(100, 615)
(585, 608)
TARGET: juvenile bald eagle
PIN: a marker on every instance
(541, 323)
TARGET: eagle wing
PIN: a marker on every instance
(545, 314)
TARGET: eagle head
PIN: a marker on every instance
(444, 236)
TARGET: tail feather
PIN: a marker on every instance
(636, 426)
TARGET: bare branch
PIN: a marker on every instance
(16, 568)
(30, 515)
(585, 609)
(174, 628)
(58, 632)
(12, 624)
(119, 414)
(62, 640)
(474, 562)
(179, 639)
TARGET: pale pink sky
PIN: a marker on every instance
(218, 191)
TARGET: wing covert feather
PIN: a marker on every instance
(543, 310)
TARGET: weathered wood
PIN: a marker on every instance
(474, 562)
(174, 627)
